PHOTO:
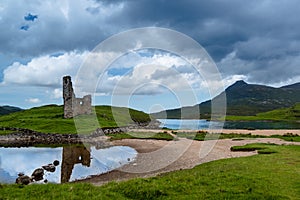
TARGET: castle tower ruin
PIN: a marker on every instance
(74, 106)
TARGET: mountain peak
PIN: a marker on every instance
(237, 84)
(240, 82)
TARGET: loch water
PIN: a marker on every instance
(75, 162)
(195, 124)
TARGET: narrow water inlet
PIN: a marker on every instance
(75, 162)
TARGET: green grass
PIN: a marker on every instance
(284, 114)
(55, 191)
(288, 137)
(260, 148)
(203, 135)
(2, 132)
(263, 176)
(141, 135)
(49, 119)
(252, 147)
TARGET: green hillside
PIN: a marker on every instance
(242, 100)
(49, 119)
(283, 114)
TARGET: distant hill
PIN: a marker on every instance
(4, 110)
(242, 99)
(293, 86)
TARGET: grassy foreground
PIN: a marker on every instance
(49, 119)
(199, 136)
(203, 135)
(263, 176)
(141, 135)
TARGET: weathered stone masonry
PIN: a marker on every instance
(74, 106)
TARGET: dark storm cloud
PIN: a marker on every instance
(218, 25)
(59, 28)
(259, 39)
(263, 35)
(212, 23)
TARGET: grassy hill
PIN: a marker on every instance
(4, 110)
(283, 114)
(49, 119)
(242, 100)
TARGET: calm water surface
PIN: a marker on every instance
(188, 124)
(75, 162)
(192, 124)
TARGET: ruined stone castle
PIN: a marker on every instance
(74, 106)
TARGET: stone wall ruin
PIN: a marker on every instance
(74, 106)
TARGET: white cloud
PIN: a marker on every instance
(273, 71)
(232, 79)
(57, 93)
(147, 74)
(33, 100)
(44, 71)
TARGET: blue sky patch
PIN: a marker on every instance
(57, 54)
(118, 71)
(25, 27)
(30, 17)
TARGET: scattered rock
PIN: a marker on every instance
(55, 162)
(49, 168)
(24, 180)
(38, 174)
(21, 174)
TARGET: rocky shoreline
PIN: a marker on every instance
(21, 137)
(26, 137)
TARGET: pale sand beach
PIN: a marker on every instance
(156, 157)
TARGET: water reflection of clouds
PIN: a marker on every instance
(188, 124)
(104, 160)
(26, 160)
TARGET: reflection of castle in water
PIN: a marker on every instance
(73, 155)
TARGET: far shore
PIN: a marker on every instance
(265, 132)
(32, 138)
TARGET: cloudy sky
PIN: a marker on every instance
(41, 41)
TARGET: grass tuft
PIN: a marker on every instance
(141, 135)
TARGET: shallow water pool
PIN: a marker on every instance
(75, 162)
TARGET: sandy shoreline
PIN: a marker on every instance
(266, 132)
(157, 157)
